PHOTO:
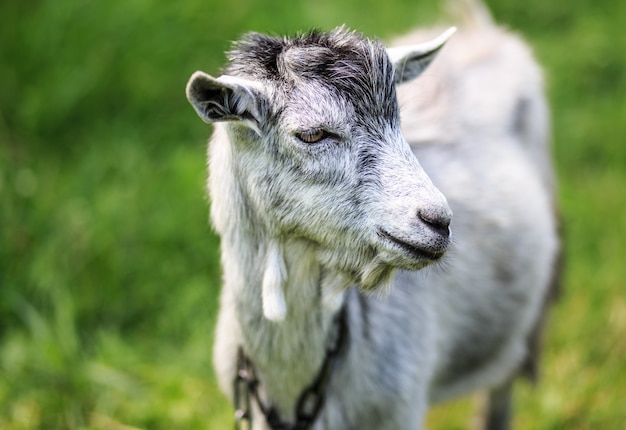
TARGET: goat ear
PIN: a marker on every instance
(411, 61)
(226, 98)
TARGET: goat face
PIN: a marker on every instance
(319, 154)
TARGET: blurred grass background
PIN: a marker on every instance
(108, 268)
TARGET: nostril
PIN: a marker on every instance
(438, 222)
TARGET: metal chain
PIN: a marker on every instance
(310, 402)
(245, 382)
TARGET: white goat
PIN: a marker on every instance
(320, 201)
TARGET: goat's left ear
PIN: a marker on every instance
(410, 61)
(227, 98)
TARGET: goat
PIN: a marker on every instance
(320, 203)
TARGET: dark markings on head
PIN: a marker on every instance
(357, 67)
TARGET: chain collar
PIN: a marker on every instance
(309, 403)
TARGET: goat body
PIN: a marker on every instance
(320, 201)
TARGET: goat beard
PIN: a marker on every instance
(370, 273)
(376, 277)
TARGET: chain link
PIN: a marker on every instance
(244, 381)
(310, 402)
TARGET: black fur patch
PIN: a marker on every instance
(355, 65)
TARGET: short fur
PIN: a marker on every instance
(316, 226)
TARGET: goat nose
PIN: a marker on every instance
(437, 221)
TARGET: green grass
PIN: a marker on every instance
(109, 271)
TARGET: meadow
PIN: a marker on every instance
(109, 270)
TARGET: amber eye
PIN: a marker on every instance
(311, 136)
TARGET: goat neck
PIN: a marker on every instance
(287, 351)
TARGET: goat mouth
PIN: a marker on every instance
(416, 251)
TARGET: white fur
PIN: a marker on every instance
(306, 228)
(274, 306)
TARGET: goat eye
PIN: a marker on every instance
(311, 136)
